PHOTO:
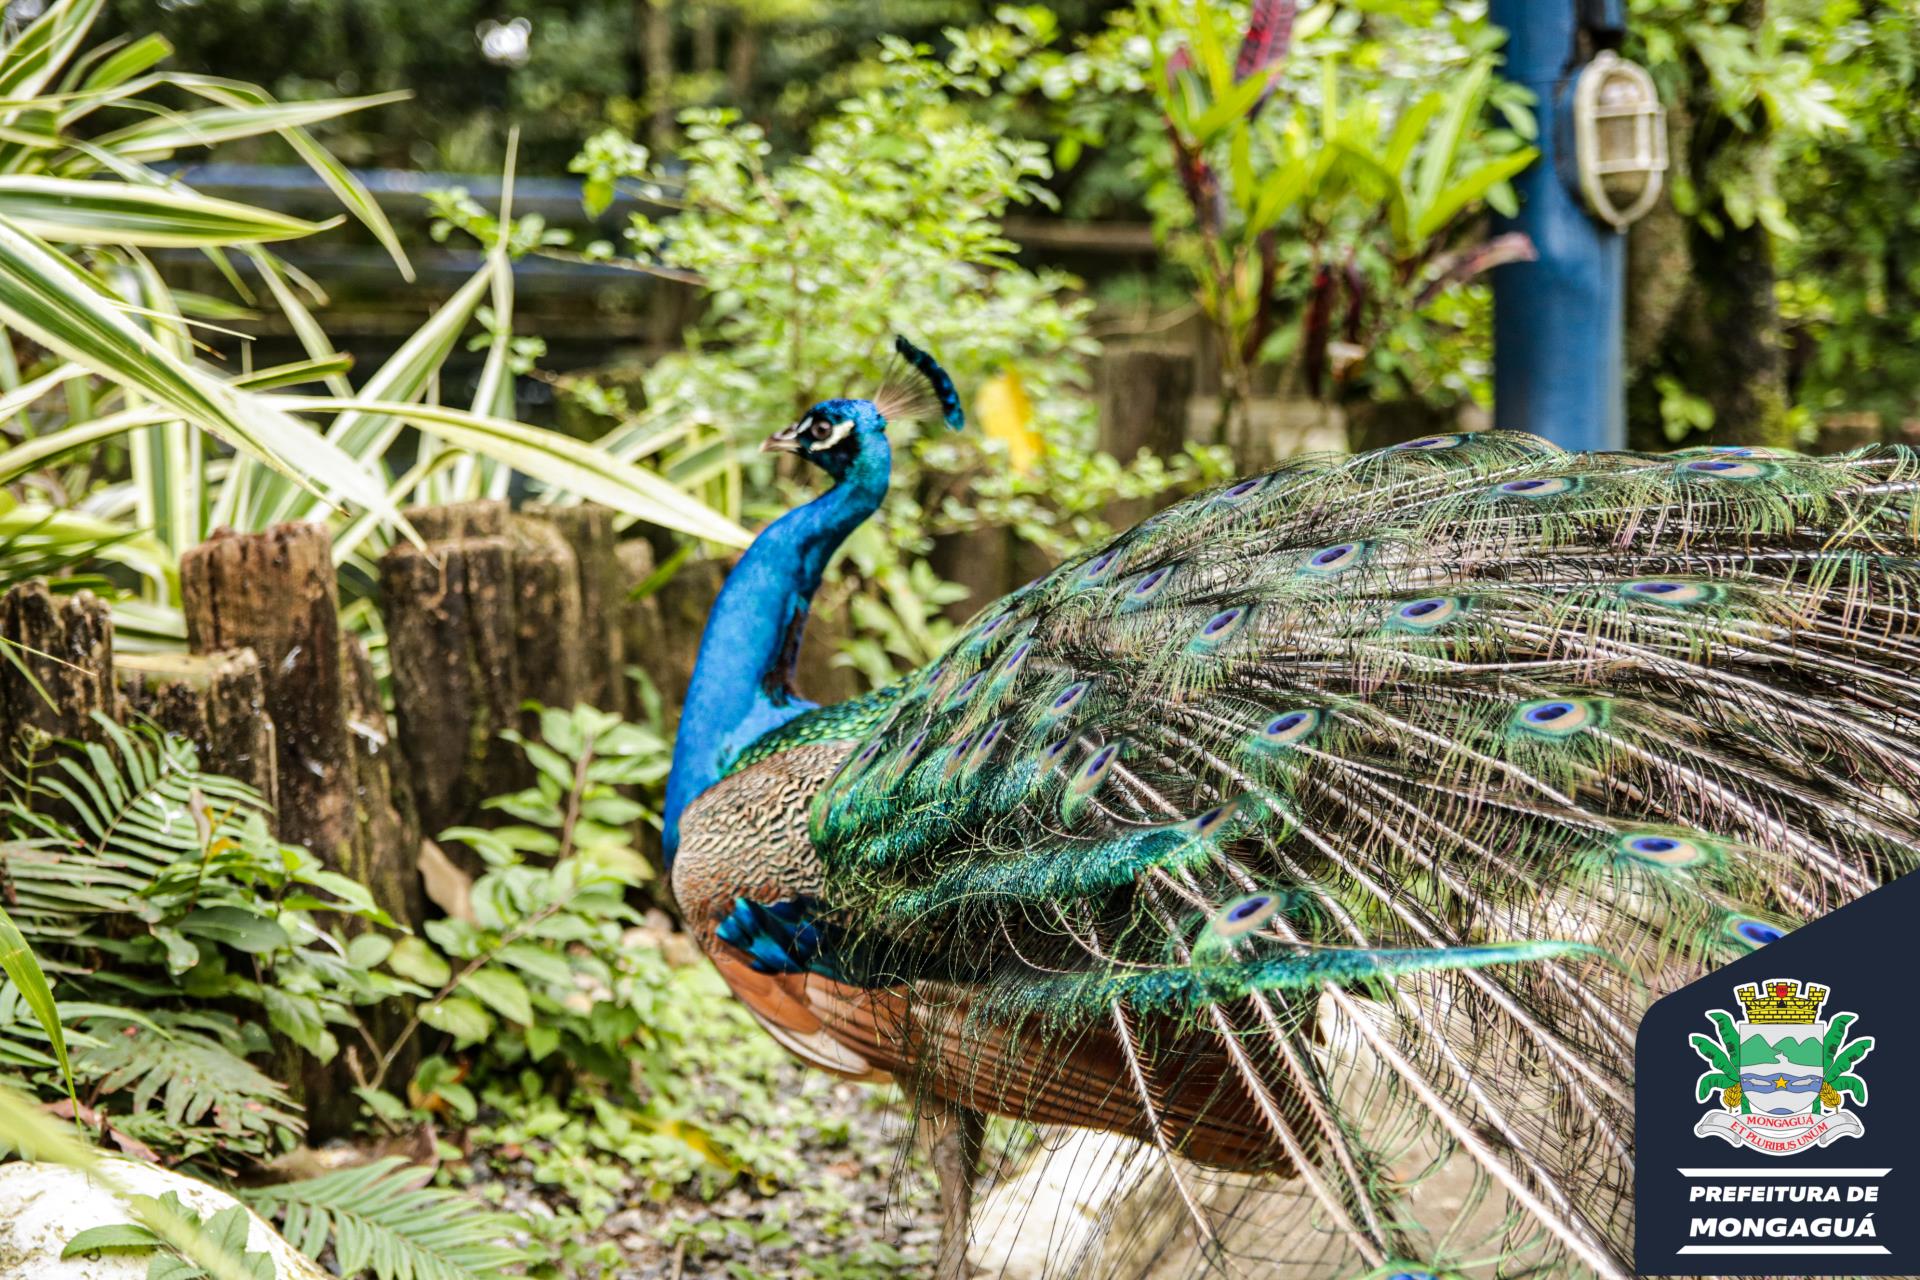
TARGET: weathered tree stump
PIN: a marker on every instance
(547, 624)
(1146, 397)
(451, 643)
(216, 701)
(274, 593)
(589, 530)
(65, 642)
(383, 810)
(480, 518)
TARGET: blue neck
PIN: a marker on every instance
(741, 681)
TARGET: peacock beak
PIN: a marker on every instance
(784, 441)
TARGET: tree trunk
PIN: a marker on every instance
(273, 592)
(58, 669)
(548, 635)
(451, 646)
(654, 20)
(1146, 400)
(1722, 340)
(588, 529)
(216, 701)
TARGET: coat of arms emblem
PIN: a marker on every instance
(1784, 1075)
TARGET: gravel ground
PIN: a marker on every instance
(859, 1216)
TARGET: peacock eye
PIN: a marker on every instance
(820, 429)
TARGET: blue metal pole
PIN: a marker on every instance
(1559, 322)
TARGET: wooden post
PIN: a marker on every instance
(549, 635)
(216, 701)
(450, 645)
(274, 593)
(383, 813)
(588, 529)
(66, 642)
(1146, 396)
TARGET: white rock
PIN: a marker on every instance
(42, 1206)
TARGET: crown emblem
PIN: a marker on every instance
(1782, 1001)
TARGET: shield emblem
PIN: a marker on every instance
(1781, 1066)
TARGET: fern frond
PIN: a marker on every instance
(197, 1080)
(381, 1221)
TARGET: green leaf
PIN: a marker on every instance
(414, 958)
(381, 1218)
(48, 298)
(465, 1020)
(1712, 1051)
(117, 1238)
(236, 927)
(502, 992)
(369, 950)
(22, 967)
(162, 135)
(70, 211)
(558, 460)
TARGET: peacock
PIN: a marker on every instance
(1325, 834)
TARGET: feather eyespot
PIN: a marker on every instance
(1148, 588)
(1412, 1275)
(1726, 469)
(1755, 933)
(1539, 486)
(1210, 822)
(1662, 850)
(1430, 444)
(1096, 770)
(1098, 568)
(1244, 915)
(1069, 699)
(984, 750)
(1331, 560)
(1242, 489)
(1556, 717)
(1290, 727)
(1673, 595)
(1427, 614)
(1220, 628)
(1018, 656)
(972, 682)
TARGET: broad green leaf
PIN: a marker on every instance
(71, 211)
(1436, 161)
(1447, 205)
(414, 958)
(502, 992)
(236, 927)
(463, 1019)
(123, 1237)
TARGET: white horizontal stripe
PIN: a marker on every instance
(1786, 1173)
(1785, 1248)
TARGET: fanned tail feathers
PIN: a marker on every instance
(1337, 826)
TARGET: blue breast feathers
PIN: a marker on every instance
(779, 936)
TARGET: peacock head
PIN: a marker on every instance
(835, 434)
(832, 435)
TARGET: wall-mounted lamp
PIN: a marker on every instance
(1619, 139)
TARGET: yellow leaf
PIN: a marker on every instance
(1006, 415)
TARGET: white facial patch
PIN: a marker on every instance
(818, 433)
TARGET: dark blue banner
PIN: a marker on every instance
(1775, 1130)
